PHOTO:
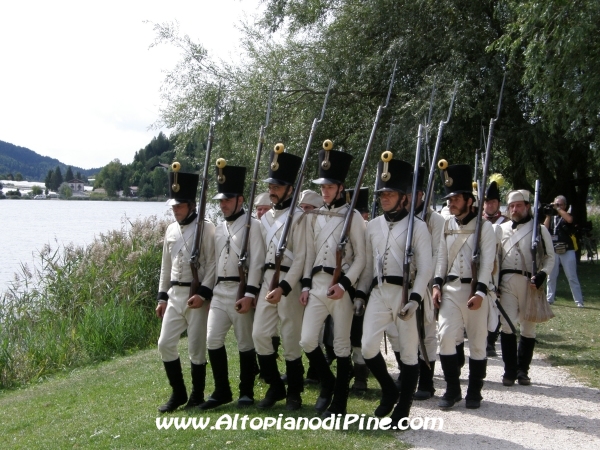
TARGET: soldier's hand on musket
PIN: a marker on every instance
(304, 298)
(359, 307)
(409, 309)
(335, 292)
(244, 304)
(537, 280)
(474, 302)
(274, 296)
(195, 302)
(160, 309)
(437, 297)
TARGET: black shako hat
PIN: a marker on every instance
(182, 187)
(230, 181)
(333, 167)
(420, 180)
(362, 203)
(283, 168)
(492, 192)
(459, 180)
(397, 178)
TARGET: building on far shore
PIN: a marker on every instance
(76, 185)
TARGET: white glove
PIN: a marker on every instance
(409, 310)
(359, 307)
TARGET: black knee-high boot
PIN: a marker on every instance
(222, 393)
(179, 393)
(451, 375)
(389, 391)
(524, 357)
(198, 384)
(410, 378)
(276, 391)
(295, 378)
(477, 373)
(247, 377)
(342, 387)
(508, 344)
(425, 390)
(317, 360)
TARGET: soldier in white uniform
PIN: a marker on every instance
(452, 291)
(323, 233)
(516, 280)
(226, 310)
(177, 309)
(280, 305)
(383, 279)
(435, 226)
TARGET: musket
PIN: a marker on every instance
(345, 236)
(195, 253)
(481, 190)
(436, 151)
(409, 253)
(428, 124)
(387, 147)
(243, 261)
(290, 217)
(535, 235)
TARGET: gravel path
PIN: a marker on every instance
(555, 412)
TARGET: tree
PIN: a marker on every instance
(69, 174)
(65, 191)
(56, 179)
(36, 190)
(146, 191)
(48, 180)
(18, 176)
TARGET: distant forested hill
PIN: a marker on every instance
(31, 165)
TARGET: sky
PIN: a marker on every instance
(78, 81)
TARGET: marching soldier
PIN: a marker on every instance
(516, 281)
(226, 310)
(492, 213)
(452, 290)
(321, 299)
(281, 304)
(176, 308)
(383, 278)
(435, 226)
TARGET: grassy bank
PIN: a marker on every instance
(572, 338)
(113, 405)
(82, 305)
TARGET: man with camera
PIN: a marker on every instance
(558, 221)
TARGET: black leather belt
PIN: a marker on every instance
(328, 270)
(220, 279)
(391, 279)
(520, 272)
(179, 283)
(455, 277)
(272, 266)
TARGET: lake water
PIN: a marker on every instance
(27, 225)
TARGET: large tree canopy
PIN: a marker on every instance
(548, 50)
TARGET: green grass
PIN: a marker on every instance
(113, 405)
(572, 338)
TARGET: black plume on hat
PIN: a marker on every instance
(182, 187)
(461, 178)
(287, 169)
(362, 203)
(339, 164)
(400, 176)
(233, 183)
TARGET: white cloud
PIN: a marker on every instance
(78, 81)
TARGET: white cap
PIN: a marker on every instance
(519, 195)
(262, 200)
(311, 198)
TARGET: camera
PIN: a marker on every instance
(548, 209)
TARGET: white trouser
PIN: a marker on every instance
(222, 316)
(288, 311)
(513, 298)
(178, 317)
(382, 309)
(317, 310)
(456, 316)
(569, 262)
